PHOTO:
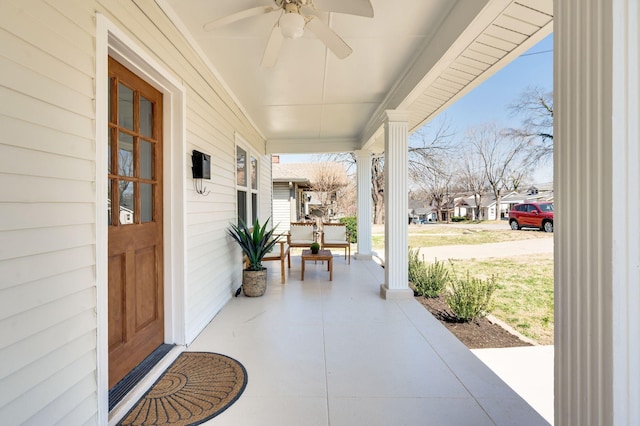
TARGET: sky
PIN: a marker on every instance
(488, 103)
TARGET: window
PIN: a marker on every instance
(241, 184)
(133, 157)
(247, 171)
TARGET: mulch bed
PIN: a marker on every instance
(481, 333)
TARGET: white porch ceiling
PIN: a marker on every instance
(417, 55)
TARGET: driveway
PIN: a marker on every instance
(483, 251)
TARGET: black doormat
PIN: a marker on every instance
(195, 388)
(124, 386)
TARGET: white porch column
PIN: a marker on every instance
(363, 163)
(396, 204)
(597, 230)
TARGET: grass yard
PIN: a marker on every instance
(449, 236)
(524, 298)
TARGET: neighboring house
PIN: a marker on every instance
(466, 206)
(294, 198)
(290, 184)
(462, 208)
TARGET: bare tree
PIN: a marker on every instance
(377, 189)
(535, 107)
(346, 203)
(377, 179)
(499, 154)
(430, 168)
(436, 185)
(327, 179)
(516, 178)
(474, 179)
(424, 152)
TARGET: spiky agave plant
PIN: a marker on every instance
(255, 243)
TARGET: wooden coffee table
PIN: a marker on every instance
(321, 255)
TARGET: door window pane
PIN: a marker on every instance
(241, 166)
(109, 203)
(125, 154)
(146, 117)
(109, 151)
(254, 173)
(146, 202)
(125, 106)
(111, 106)
(127, 205)
(146, 160)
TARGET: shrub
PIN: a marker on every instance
(470, 297)
(427, 280)
(352, 227)
(458, 219)
(416, 266)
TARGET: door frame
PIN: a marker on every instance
(112, 41)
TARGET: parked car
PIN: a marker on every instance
(532, 215)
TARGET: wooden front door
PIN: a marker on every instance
(136, 311)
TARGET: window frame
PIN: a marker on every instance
(251, 211)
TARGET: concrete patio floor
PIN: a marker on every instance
(335, 353)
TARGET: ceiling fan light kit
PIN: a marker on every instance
(292, 24)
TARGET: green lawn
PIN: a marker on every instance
(524, 298)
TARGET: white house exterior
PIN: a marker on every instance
(55, 88)
(53, 200)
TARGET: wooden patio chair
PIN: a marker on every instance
(300, 235)
(335, 235)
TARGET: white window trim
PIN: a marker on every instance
(240, 142)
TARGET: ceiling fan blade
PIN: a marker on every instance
(248, 13)
(329, 37)
(351, 7)
(272, 50)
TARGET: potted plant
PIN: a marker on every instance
(255, 244)
(315, 247)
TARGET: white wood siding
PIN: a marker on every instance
(48, 198)
(264, 185)
(281, 206)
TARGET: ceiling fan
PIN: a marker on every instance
(292, 23)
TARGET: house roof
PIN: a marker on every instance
(303, 173)
(290, 172)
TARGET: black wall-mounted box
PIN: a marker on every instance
(201, 165)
